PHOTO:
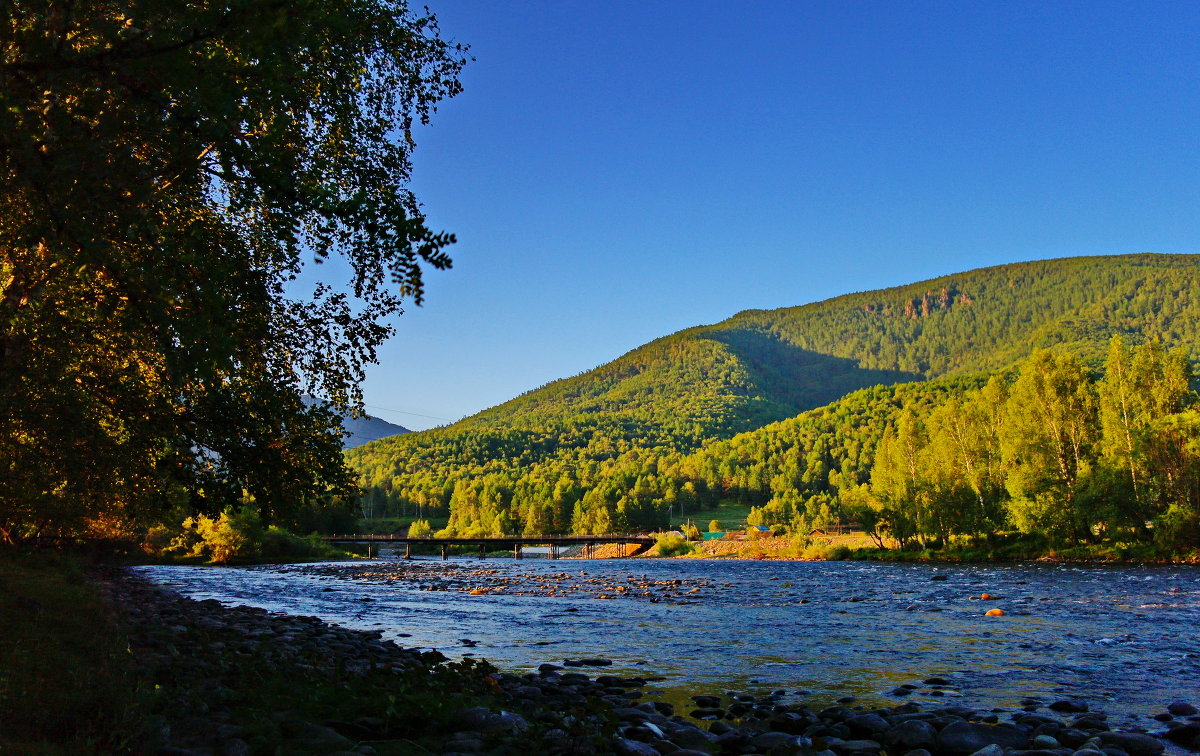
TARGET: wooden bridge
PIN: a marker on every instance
(555, 542)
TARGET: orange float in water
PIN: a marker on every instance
(478, 592)
(994, 613)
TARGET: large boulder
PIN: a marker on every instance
(910, 735)
(1133, 743)
(963, 738)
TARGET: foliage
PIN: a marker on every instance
(714, 526)
(672, 545)
(236, 535)
(167, 169)
(713, 416)
(420, 529)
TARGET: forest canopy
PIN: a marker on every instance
(167, 168)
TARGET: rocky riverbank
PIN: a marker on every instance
(229, 681)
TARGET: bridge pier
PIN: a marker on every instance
(408, 551)
(516, 551)
(444, 547)
(481, 551)
(553, 552)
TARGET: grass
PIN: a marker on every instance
(66, 678)
(731, 514)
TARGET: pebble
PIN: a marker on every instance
(550, 709)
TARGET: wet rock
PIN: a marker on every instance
(1185, 734)
(719, 728)
(968, 737)
(707, 713)
(707, 702)
(596, 662)
(462, 745)
(1132, 743)
(911, 735)
(1067, 706)
(867, 724)
(628, 747)
(856, 746)
(485, 720)
(769, 741)
(1182, 709)
(990, 750)
(693, 737)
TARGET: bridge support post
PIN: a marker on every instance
(443, 552)
(553, 552)
(481, 552)
(408, 551)
(516, 551)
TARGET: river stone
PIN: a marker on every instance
(1067, 706)
(918, 752)
(462, 745)
(1184, 734)
(768, 741)
(856, 746)
(968, 737)
(631, 714)
(1132, 743)
(913, 734)
(483, 720)
(691, 737)
(990, 750)
(707, 702)
(867, 724)
(1182, 709)
(627, 747)
(789, 722)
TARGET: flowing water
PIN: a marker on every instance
(1125, 639)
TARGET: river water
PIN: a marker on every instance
(1125, 639)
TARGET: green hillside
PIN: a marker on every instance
(640, 438)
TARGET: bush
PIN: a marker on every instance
(715, 526)
(420, 529)
(670, 545)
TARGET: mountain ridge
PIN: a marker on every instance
(698, 386)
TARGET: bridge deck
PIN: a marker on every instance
(566, 540)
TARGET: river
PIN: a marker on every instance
(1122, 638)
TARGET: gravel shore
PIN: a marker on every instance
(200, 658)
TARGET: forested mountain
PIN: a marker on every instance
(654, 430)
(364, 430)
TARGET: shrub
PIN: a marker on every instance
(670, 545)
(715, 526)
(420, 529)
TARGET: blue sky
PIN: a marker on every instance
(616, 171)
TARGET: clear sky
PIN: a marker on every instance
(616, 171)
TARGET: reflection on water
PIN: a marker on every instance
(1124, 638)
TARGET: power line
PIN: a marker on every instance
(403, 412)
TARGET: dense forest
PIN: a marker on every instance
(913, 412)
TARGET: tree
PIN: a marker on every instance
(1140, 386)
(1048, 440)
(167, 169)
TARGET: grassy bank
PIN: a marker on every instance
(67, 683)
(71, 682)
(859, 547)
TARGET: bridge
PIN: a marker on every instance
(555, 542)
